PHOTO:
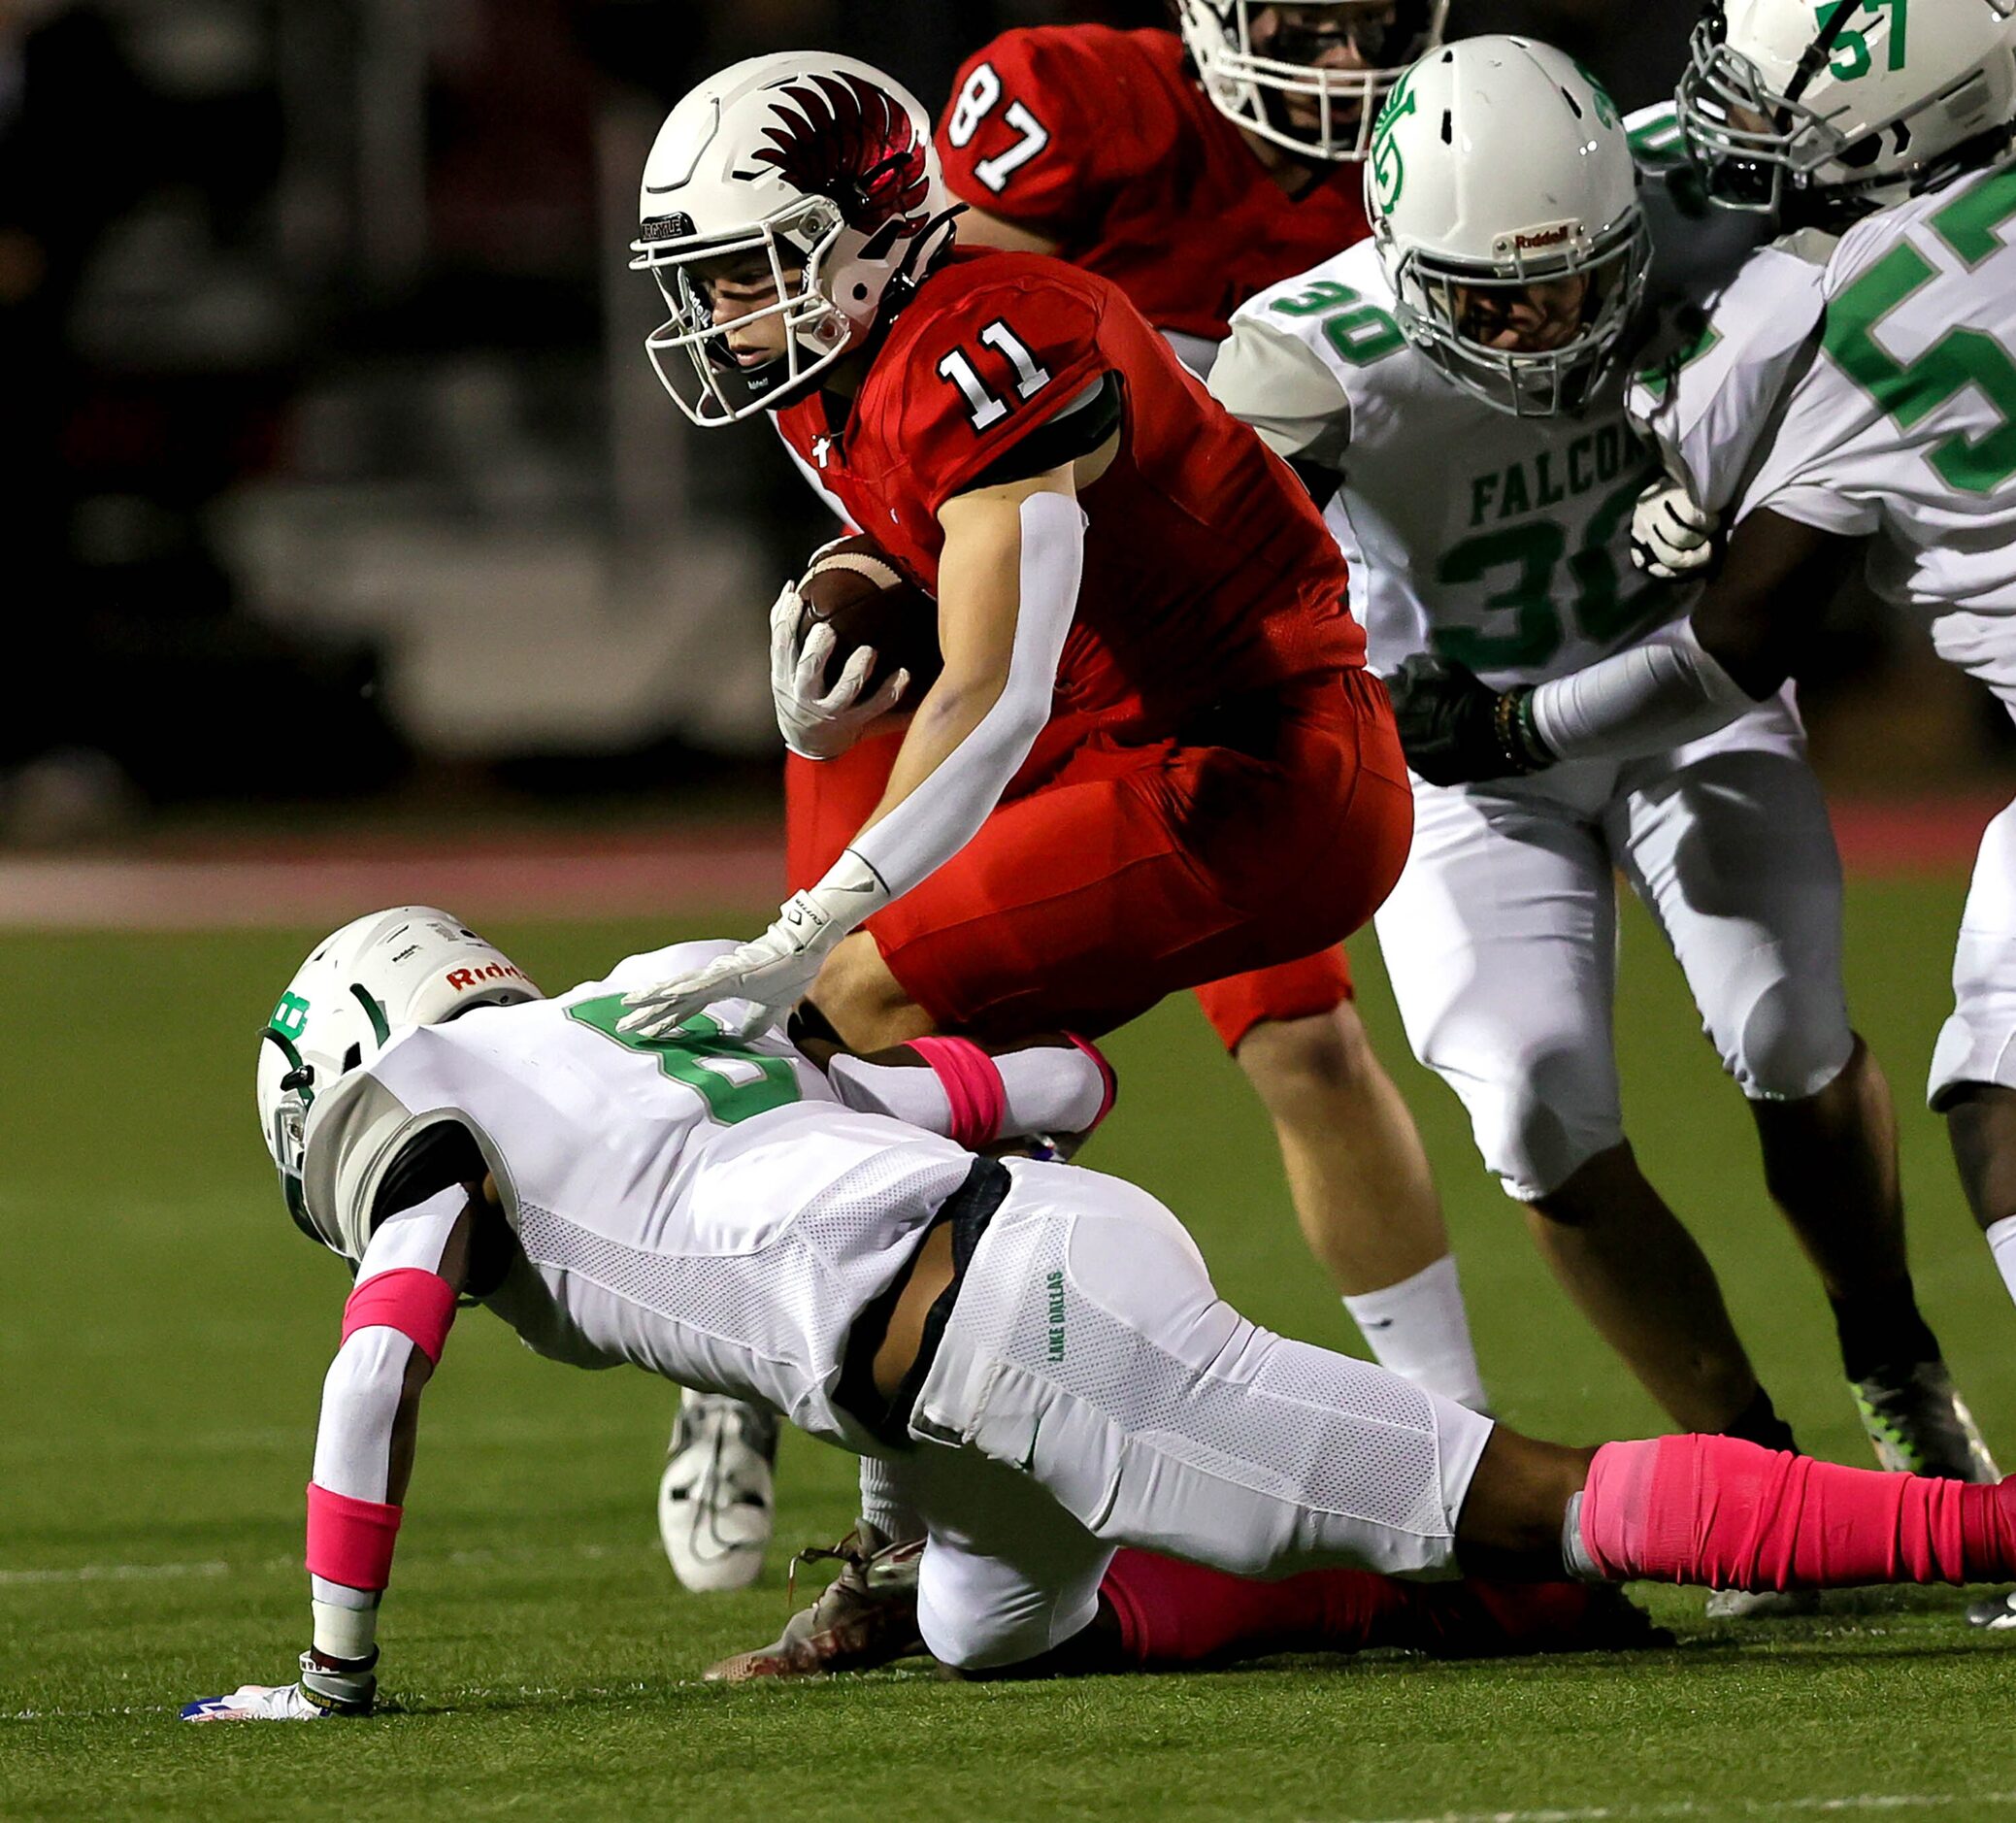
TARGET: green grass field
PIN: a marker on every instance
(165, 1332)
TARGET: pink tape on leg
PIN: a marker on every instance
(973, 1084)
(1721, 1511)
(351, 1541)
(418, 1304)
(1615, 1506)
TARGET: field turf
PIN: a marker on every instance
(162, 1336)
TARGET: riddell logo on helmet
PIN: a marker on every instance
(1543, 237)
(490, 971)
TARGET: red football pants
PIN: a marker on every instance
(1113, 874)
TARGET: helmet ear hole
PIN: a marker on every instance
(352, 1057)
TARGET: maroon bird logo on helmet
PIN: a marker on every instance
(855, 144)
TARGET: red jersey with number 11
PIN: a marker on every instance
(1209, 573)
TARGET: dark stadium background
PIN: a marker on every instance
(331, 468)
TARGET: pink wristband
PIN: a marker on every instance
(351, 1541)
(418, 1304)
(973, 1084)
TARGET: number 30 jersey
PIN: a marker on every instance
(1208, 572)
(1871, 393)
(704, 1209)
(1499, 542)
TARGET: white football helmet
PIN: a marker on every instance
(1499, 164)
(412, 965)
(1848, 108)
(1255, 77)
(820, 167)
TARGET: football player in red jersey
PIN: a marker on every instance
(1091, 144)
(1237, 791)
(1193, 171)
(1183, 826)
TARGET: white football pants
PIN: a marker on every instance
(1093, 1390)
(1502, 935)
(1978, 1042)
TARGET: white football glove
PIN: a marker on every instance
(338, 1693)
(773, 972)
(1670, 537)
(818, 723)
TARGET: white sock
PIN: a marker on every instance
(2001, 1242)
(882, 1504)
(1419, 1330)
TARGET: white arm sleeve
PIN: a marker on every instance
(1641, 701)
(360, 1395)
(1047, 1089)
(941, 816)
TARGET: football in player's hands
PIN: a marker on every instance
(856, 588)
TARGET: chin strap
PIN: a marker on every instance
(930, 246)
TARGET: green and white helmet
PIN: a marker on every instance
(1846, 106)
(413, 965)
(1500, 163)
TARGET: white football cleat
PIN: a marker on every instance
(1761, 1603)
(1996, 1613)
(717, 1499)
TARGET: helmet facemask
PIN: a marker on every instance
(1442, 303)
(1269, 82)
(712, 386)
(1771, 152)
(1748, 143)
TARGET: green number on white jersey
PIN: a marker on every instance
(1604, 611)
(1361, 332)
(1911, 391)
(695, 1055)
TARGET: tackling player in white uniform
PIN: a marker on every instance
(1457, 373)
(1036, 1349)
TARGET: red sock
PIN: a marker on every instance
(1721, 1511)
(1173, 1613)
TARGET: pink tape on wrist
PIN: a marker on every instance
(418, 1304)
(973, 1084)
(1106, 1075)
(351, 1541)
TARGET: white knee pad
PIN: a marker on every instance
(977, 1614)
(1538, 1124)
(1783, 1034)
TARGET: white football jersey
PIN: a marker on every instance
(1502, 542)
(705, 1208)
(1877, 398)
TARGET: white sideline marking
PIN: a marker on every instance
(647, 876)
(217, 1566)
(1856, 1802)
(111, 1573)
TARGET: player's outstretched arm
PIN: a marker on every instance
(1741, 644)
(393, 1328)
(1008, 589)
(1738, 647)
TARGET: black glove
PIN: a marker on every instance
(1456, 729)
